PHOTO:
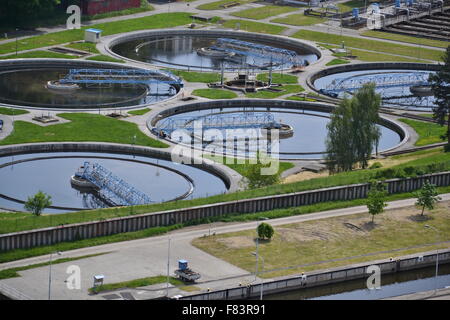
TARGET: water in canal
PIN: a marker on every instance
(392, 285)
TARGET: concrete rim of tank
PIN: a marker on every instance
(14, 64)
(308, 46)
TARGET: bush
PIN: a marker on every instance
(265, 231)
(376, 165)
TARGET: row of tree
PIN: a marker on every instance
(353, 134)
(24, 13)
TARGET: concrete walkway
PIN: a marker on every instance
(148, 257)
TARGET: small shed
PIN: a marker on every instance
(92, 35)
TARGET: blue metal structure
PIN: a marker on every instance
(110, 187)
(219, 121)
(258, 50)
(383, 80)
(120, 76)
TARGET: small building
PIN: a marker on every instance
(92, 35)
(93, 7)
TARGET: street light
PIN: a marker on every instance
(168, 268)
(50, 274)
(262, 269)
(437, 256)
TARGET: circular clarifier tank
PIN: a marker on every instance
(304, 139)
(80, 86)
(51, 173)
(208, 50)
(406, 88)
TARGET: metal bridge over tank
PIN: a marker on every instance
(246, 120)
(258, 50)
(120, 76)
(383, 80)
(110, 187)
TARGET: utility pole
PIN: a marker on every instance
(168, 269)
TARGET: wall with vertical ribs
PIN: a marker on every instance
(52, 235)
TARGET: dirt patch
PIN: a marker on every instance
(304, 175)
(237, 242)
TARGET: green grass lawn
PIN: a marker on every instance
(285, 89)
(139, 112)
(136, 283)
(305, 246)
(216, 5)
(83, 127)
(252, 26)
(84, 46)
(39, 54)
(214, 93)
(337, 61)
(263, 12)
(102, 57)
(234, 164)
(349, 5)
(157, 21)
(299, 19)
(372, 45)
(428, 132)
(278, 78)
(296, 98)
(12, 112)
(192, 76)
(376, 56)
(403, 38)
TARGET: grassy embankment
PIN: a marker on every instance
(214, 93)
(397, 53)
(428, 132)
(82, 127)
(313, 245)
(263, 12)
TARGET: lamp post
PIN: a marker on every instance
(50, 274)
(17, 35)
(168, 267)
(437, 257)
(262, 269)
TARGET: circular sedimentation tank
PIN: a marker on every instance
(302, 136)
(46, 84)
(401, 85)
(161, 180)
(210, 49)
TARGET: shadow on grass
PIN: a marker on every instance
(420, 218)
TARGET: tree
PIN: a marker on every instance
(440, 86)
(19, 13)
(255, 176)
(376, 198)
(37, 203)
(427, 196)
(353, 133)
(265, 231)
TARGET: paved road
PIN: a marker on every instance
(148, 257)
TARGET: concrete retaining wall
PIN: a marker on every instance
(52, 235)
(325, 277)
